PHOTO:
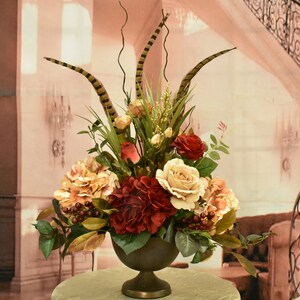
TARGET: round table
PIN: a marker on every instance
(106, 284)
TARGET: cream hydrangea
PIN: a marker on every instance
(86, 180)
(183, 182)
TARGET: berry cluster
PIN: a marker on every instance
(81, 212)
(201, 222)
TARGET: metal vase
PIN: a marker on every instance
(155, 255)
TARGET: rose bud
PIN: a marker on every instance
(129, 151)
(155, 140)
(136, 108)
(121, 122)
(168, 132)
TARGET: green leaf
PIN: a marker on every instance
(130, 242)
(83, 132)
(76, 230)
(44, 228)
(186, 244)
(58, 241)
(228, 241)
(205, 166)
(245, 263)
(170, 232)
(226, 222)
(60, 224)
(199, 256)
(56, 206)
(92, 150)
(161, 232)
(223, 149)
(100, 204)
(94, 223)
(214, 139)
(46, 245)
(214, 155)
(253, 239)
(243, 240)
(223, 144)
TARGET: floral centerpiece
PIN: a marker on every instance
(151, 176)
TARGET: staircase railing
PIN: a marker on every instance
(282, 20)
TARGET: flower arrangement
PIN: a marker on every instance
(150, 176)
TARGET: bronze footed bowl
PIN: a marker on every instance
(155, 255)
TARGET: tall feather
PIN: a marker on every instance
(98, 86)
(139, 69)
(186, 81)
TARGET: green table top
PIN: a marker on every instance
(107, 283)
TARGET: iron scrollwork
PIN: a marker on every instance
(282, 20)
(294, 253)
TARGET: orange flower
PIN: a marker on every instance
(129, 151)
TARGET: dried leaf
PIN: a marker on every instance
(94, 223)
(45, 213)
(79, 243)
(94, 242)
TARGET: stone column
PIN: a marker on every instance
(8, 135)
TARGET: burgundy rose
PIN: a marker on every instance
(189, 146)
(142, 204)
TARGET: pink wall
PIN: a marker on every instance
(235, 88)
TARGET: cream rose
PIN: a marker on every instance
(183, 182)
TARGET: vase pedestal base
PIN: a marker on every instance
(146, 285)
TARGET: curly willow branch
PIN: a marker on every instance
(165, 48)
(123, 46)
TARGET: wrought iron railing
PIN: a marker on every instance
(282, 20)
(294, 252)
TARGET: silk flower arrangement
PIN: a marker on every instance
(149, 176)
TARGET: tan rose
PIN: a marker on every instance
(121, 122)
(183, 182)
(136, 107)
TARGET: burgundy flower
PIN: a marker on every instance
(189, 146)
(142, 204)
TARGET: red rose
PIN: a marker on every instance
(128, 151)
(142, 204)
(189, 146)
